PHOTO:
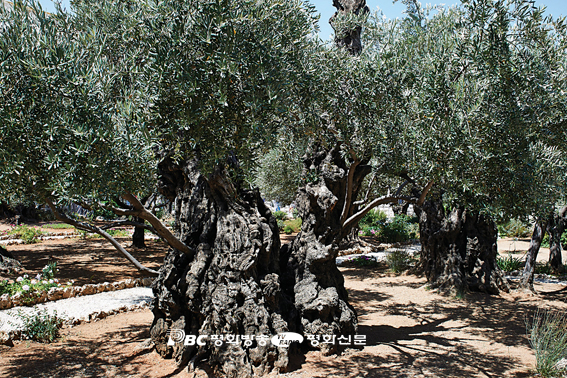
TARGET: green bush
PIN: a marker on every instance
(375, 218)
(398, 261)
(28, 234)
(280, 215)
(514, 228)
(288, 229)
(548, 338)
(401, 228)
(509, 264)
(281, 225)
(41, 326)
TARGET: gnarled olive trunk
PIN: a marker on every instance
(458, 249)
(311, 276)
(527, 279)
(230, 284)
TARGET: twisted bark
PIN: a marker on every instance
(230, 284)
(458, 249)
(311, 276)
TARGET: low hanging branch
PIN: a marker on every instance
(350, 222)
(91, 228)
(141, 212)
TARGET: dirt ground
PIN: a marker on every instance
(411, 332)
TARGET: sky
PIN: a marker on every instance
(390, 9)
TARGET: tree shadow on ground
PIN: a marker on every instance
(83, 356)
(88, 260)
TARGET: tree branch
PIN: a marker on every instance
(348, 196)
(161, 230)
(91, 228)
(377, 202)
(424, 193)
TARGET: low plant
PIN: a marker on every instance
(364, 261)
(280, 215)
(29, 287)
(293, 224)
(401, 228)
(40, 325)
(548, 338)
(57, 226)
(509, 264)
(28, 234)
(288, 230)
(399, 261)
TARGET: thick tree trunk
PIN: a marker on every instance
(458, 250)
(230, 285)
(555, 228)
(311, 275)
(527, 279)
(138, 236)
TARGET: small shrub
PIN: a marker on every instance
(373, 219)
(400, 229)
(367, 230)
(398, 261)
(548, 338)
(288, 229)
(514, 228)
(29, 235)
(41, 326)
(280, 215)
(509, 264)
(281, 225)
(364, 261)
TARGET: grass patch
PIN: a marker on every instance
(548, 338)
(57, 226)
(292, 225)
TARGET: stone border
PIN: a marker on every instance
(62, 292)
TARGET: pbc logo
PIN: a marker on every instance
(175, 336)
